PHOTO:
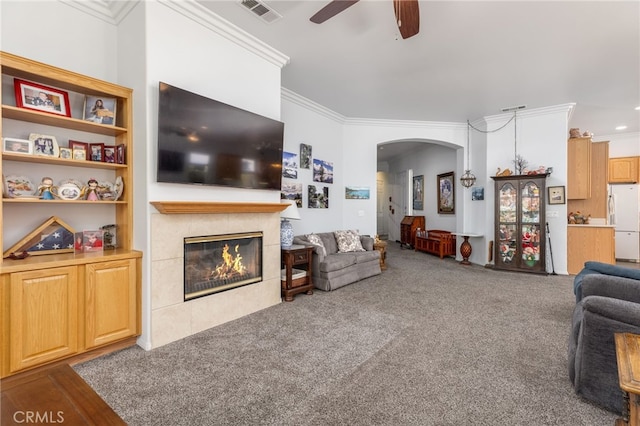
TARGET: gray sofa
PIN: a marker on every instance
(336, 269)
(608, 304)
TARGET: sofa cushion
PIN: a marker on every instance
(348, 241)
(317, 241)
(335, 262)
(366, 256)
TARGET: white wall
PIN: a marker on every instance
(311, 124)
(541, 139)
(621, 144)
(361, 140)
(76, 41)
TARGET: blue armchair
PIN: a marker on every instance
(607, 304)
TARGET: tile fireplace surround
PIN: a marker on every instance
(171, 317)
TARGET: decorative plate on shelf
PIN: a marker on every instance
(118, 188)
(75, 182)
(18, 186)
(68, 191)
(106, 191)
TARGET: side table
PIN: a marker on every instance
(628, 356)
(296, 255)
(381, 246)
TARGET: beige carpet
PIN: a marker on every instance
(428, 342)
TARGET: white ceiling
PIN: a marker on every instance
(470, 59)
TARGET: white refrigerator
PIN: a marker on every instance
(626, 218)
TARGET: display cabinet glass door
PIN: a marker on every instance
(530, 225)
(520, 232)
(508, 215)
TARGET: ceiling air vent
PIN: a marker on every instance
(261, 10)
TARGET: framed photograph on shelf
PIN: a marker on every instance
(17, 146)
(109, 154)
(41, 98)
(556, 195)
(96, 151)
(418, 192)
(99, 109)
(446, 193)
(79, 149)
(120, 150)
(45, 145)
(66, 153)
(92, 241)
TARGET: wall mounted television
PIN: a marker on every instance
(202, 141)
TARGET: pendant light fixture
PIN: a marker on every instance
(468, 179)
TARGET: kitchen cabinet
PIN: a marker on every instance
(589, 242)
(624, 170)
(579, 168)
(596, 205)
(520, 232)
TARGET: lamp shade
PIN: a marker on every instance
(291, 212)
(286, 229)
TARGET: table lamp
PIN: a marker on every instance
(286, 229)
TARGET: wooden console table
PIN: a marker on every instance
(628, 355)
(293, 256)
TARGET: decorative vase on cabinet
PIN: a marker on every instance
(520, 232)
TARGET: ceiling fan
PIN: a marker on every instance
(407, 14)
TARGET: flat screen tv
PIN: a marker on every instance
(206, 142)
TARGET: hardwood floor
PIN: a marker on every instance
(54, 395)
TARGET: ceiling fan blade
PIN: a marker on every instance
(407, 17)
(331, 10)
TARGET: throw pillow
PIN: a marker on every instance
(316, 241)
(348, 241)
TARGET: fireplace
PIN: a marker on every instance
(217, 263)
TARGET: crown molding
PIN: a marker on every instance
(554, 109)
(109, 11)
(300, 100)
(406, 123)
(114, 11)
(203, 16)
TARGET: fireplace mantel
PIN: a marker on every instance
(214, 207)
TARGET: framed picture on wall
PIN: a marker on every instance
(418, 192)
(556, 195)
(446, 193)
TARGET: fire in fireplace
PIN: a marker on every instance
(217, 263)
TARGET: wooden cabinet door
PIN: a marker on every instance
(111, 300)
(623, 170)
(44, 316)
(579, 169)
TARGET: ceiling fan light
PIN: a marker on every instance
(467, 179)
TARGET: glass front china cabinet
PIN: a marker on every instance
(520, 231)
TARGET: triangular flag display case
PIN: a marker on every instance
(57, 305)
(53, 236)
